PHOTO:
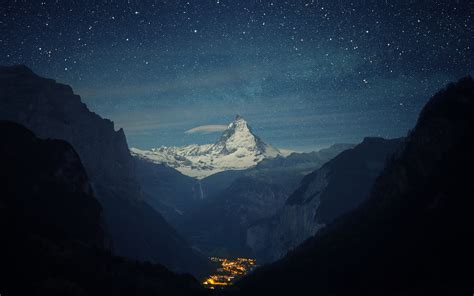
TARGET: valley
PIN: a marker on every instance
(288, 213)
(237, 197)
(229, 148)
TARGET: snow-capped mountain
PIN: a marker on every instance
(237, 149)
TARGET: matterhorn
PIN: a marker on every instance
(237, 148)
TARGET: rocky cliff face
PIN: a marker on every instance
(336, 188)
(52, 110)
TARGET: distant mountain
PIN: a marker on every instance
(53, 239)
(337, 187)
(304, 162)
(237, 199)
(413, 235)
(237, 148)
(52, 110)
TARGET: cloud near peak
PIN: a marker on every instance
(206, 129)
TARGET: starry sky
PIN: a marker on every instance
(305, 74)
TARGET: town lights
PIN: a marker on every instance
(229, 271)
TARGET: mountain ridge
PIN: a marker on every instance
(52, 110)
(237, 148)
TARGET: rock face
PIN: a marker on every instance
(337, 187)
(52, 232)
(52, 110)
(246, 197)
(237, 149)
(413, 235)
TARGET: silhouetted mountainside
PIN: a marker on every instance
(51, 226)
(337, 187)
(52, 110)
(44, 182)
(413, 236)
(219, 225)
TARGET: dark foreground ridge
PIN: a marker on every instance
(52, 232)
(413, 236)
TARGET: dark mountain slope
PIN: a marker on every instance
(52, 110)
(337, 187)
(414, 234)
(44, 182)
(52, 232)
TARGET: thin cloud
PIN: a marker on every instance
(206, 129)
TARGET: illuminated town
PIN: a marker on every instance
(229, 271)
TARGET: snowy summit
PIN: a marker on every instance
(237, 149)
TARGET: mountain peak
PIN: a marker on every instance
(239, 123)
(239, 117)
(239, 136)
(237, 148)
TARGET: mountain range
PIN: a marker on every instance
(237, 197)
(82, 214)
(412, 234)
(238, 148)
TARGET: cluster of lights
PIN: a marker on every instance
(229, 271)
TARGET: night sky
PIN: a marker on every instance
(305, 74)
